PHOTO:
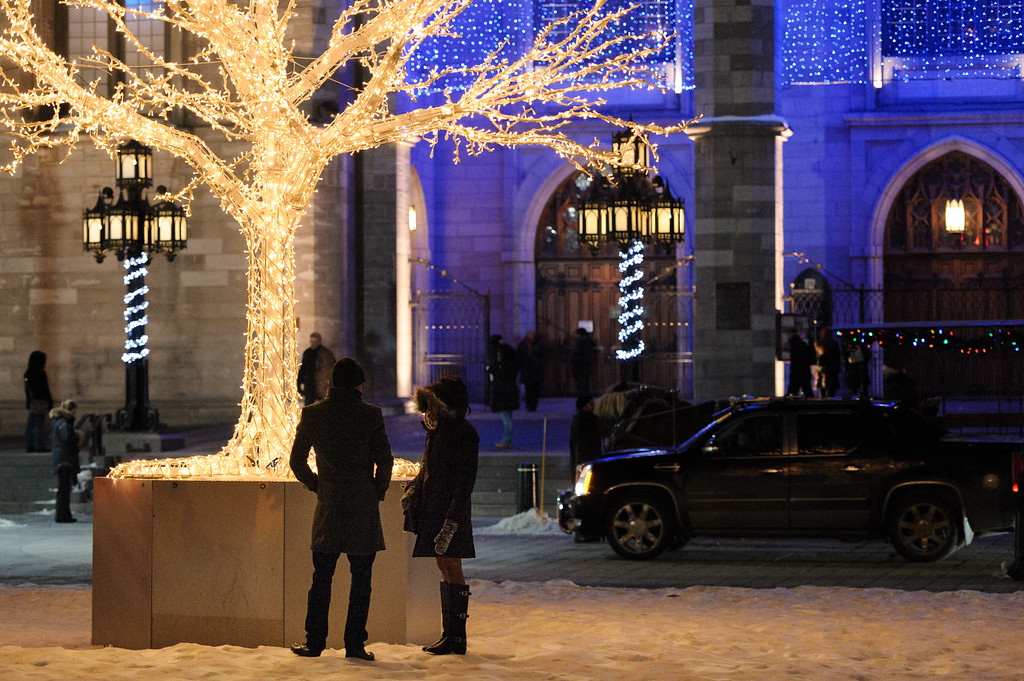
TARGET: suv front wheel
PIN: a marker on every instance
(924, 528)
(639, 527)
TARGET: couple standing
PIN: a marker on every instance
(354, 462)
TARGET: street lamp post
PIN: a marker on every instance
(132, 229)
(634, 210)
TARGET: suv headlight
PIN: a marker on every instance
(583, 481)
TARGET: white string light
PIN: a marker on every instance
(631, 295)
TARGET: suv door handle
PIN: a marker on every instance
(771, 471)
(674, 467)
(852, 469)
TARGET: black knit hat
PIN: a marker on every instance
(347, 374)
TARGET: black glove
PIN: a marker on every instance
(444, 537)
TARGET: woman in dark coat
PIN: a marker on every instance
(38, 401)
(437, 502)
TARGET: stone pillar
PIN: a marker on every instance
(738, 200)
(381, 204)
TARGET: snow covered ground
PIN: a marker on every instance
(563, 632)
(560, 631)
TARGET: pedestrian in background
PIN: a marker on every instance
(504, 387)
(801, 357)
(65, 441)
(581, 362)
(830, 360)
(315, 370)
(438, 502)
(858, 381)
(584, 435)
(354, 462)
(532, 353)
(898, 386)
(38, 401)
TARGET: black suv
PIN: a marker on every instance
(792, 467)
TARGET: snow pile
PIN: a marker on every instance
(528, 522)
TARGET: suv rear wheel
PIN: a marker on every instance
(639, 527)
(924, 528)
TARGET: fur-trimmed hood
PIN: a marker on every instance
(62, 410)
(449, 393)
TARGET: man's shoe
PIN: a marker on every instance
(303, 650)
(67, 520)
(359, 654)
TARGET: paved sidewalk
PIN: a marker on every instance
(34, 549)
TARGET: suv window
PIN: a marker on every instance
(751, 435)
(820, 433)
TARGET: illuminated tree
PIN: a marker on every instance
(243, 82)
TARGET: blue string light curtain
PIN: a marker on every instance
(487, 24)
(826, 41)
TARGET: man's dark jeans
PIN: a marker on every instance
(318, 604)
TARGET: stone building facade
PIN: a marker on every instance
(799, 180)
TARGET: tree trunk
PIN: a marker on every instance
(270, 404)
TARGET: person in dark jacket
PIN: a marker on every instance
(830, 360)
(584, 435)
(581, 362)
(801, 357)
(504, 387)
(38, 401)
(354, 462)
(532, 353)
(65, 440)
(315, 370)
(898, 386)
(437, 503)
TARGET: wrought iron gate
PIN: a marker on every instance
(569, 290)
(450, 338)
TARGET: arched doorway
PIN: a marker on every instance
(953, 277)
(575, 284)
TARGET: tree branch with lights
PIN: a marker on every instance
(245, 84)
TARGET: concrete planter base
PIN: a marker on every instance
(227, 562)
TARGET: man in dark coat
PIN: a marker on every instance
(354, 461)
(315, 370)
(504, 387)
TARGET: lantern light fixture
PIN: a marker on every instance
(132, 229)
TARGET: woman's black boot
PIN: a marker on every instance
(445, 618)
(454, 608)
